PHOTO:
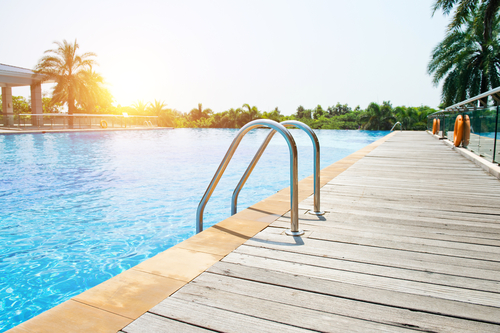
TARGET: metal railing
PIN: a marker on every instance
(294, 183)
(484, 124)
(316, 166)
(400, 127)
(54, 121)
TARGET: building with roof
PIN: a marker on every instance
(11, 76)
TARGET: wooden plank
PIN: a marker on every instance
(150, 323)
(399, 222)
(401, 300)
(424, 195)
(387, 257)
(393, 250)
(480, 230)
(474, 220)
(390, 229)
(370, 269)
(289, 314)
(485, 213)
(338, 305)
(455, 249)
(217, 319)
(370, 280)
(431, 190)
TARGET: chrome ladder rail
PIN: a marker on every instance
(294, 183)
(253, 163)
(400, 126)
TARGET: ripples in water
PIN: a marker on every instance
(79, 208)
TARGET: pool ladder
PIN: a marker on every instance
(294, 200)
(400, 127)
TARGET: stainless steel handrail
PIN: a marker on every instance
(400, 126)
(294, 183)
(253, 163)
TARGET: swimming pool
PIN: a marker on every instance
(79, 208)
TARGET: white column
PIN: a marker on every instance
(36, 104)
(7, 107)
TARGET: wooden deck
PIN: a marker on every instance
(411, 242)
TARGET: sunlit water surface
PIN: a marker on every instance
(79, 208)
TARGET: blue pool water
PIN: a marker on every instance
(79, 208)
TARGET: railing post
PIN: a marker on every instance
(496, 135)
(443, 128)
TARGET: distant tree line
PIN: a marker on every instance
(340, 116)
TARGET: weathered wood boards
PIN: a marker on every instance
(411, 242)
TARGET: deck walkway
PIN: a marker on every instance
(411, 242)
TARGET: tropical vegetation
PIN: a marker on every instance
(77, 86)
(467, 61)
(339, 116)
(21, 104)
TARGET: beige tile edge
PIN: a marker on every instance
(211, 245)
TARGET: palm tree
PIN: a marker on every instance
(140, 107)
(250, 114)
(198, 113)
(378, 117)
(168, 118)
(466, 8)
(230, 118)
(273, 115)
(405, 115)
(70, 71)
(157, 107)
(469, 64)
(94, 95)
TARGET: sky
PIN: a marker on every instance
(223, 54)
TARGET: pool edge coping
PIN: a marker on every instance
(79, 130)
(115, 303)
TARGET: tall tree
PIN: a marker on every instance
(469, 64)
(140, 108)
(70, 71)
(338, 110)
(318, 112)
(94, 96)
(157, 107)
(273, 115)
(251, 113)
(378, 117)
(198, 113)
(300, 112)
(465, 8)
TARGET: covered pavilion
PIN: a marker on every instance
(12, 76)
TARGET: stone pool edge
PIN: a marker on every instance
(76, 130)
(113, 304)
